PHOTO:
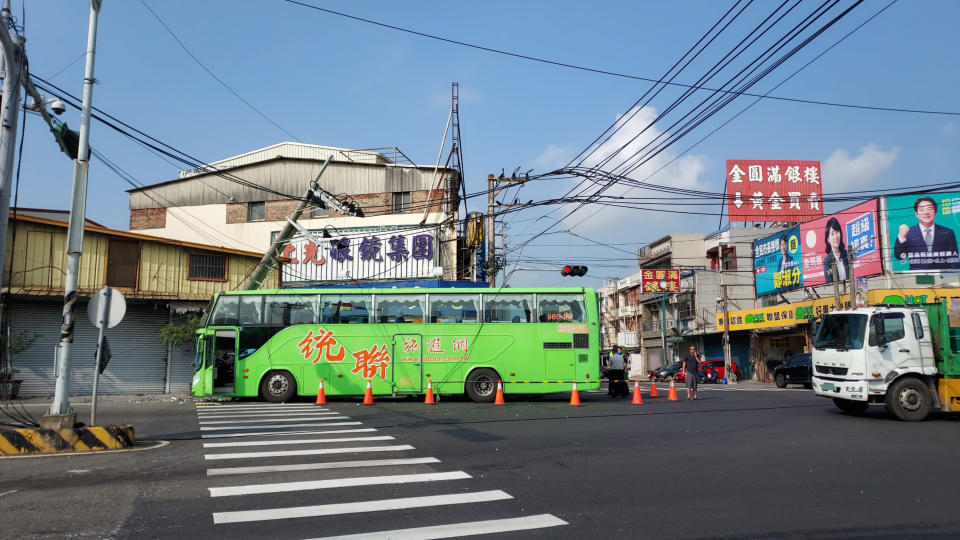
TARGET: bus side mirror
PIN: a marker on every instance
(879, 331)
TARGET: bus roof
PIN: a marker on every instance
(417, 290)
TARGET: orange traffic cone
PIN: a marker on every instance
(672, 395)
(429, 399)
(574, 396)
(653, 389)
(368, 395)
(499, 399)
(321, 397)
(637, 398)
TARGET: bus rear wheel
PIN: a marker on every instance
(481, 385)
(278, 387)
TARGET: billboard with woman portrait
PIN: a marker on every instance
(826, 242)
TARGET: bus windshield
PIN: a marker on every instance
(842, 331)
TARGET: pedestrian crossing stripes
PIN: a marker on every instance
(472, 528)
(311, 452)
(337, 509)
(298, 441)
(317, 466)
(340, 482)
(317, 453)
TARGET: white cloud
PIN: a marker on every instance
(841, 172)
(551, 159)
(636, 136)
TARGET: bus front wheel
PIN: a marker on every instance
(481, 385)
(278, 387)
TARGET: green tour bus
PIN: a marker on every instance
(281, 343)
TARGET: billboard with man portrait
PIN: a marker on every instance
(826, 241)
(776, 262)
(922, 232)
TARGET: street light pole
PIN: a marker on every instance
(13, 56)
(60, 415)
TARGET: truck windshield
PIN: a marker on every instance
(841, 331)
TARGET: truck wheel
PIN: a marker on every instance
(481, 385)
(851, 407)
(781, 380)
(278, 387)
(908, 400)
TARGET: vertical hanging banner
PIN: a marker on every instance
(777, 262)
(827, 240)
(923, 231)
(773, 190)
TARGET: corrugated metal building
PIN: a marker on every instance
(161, 279)
(243, 202)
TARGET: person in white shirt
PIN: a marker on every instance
(617, 386)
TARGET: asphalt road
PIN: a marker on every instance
(747, 462)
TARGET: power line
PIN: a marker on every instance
(616, 74)
(212, 74)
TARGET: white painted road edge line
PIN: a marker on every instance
(292, 432)
(273, 419)
(336, 483)
(453, 530)
(358, 507)
(298, 441)
(274, 426)
(314, 466)
(255, 406)
(314, 452)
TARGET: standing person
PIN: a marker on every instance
(836, 252)
(617, 386)
(926, 245)
(691, 364)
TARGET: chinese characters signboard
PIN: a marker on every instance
(776, 262)
(375, 254)
(827, 240)
(773, 190)
(651, 280)
(923, 231)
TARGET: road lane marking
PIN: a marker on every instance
(294, 432)
(274, 426)
(316, 466)
(14, 491)
(270, 415)
(540, 521)
(313, 452)
(298, 441)
(279, 419)
(256, 489)
(263, 413)
(358, 507)
(257, 406)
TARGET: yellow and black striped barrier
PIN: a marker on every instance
(50, 441)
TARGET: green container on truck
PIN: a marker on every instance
(904, 357)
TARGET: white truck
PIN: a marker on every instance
(905, 357)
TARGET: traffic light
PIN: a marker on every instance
(576, 271)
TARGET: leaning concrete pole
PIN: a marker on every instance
(12, 75)
(60, 414)
(270, 257)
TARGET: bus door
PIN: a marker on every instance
(223, 356)
(203, 367)
(407, 363)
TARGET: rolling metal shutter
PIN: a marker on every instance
(138, 363)
(182, 368)
(654, 357)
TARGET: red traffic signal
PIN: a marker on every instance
(576, 271)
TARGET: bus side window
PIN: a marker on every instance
(454, 308)
(400, 308)
(251, 309)
(284, 310)
(560, 307)
(225, 313)
(345, 308)
(515, 308)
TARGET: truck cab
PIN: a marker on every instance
(883, 355)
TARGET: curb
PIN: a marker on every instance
(49, 441)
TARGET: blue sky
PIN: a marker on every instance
(334, 81)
